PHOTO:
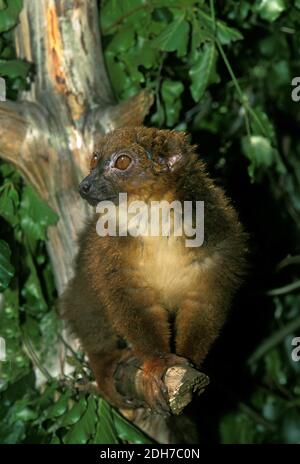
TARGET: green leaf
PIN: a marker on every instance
(119, 78)
(55, 440)
(60, 407)
(23, 412)
(13, 434)
(32, 290)
(6, 268)
(85, 428)
(105, 432)
(224, 33)
(3, 4)
(14, 68)
(203, 71)
(272, 407)
(49, 328)
(36, 215)
(9, 203)
(269, 10)
(46, 400)
(174, 37)
(9, 15)
(158, 118)
(171, 91)
(261, 124)
(114, 12)
(131, 65)
(8, 171)
(227, 34)
(259, 151)
(74, 414)
(198, 37)
(280, 74)
(144, 55)
(275, 367)
(122, 41)
(128, 432)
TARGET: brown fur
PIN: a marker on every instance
(153, 292)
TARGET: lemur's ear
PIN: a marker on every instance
(167, 163)
(174, 161)
(176, 150)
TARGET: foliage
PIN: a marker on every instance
(58, 413)
(222, 71)
(31, 410)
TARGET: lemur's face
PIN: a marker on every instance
(133, 161)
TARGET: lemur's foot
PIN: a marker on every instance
(154, 390)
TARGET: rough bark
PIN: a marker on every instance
(49, 134)
(181, 383)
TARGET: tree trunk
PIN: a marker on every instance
(49, 134)
(68, 103)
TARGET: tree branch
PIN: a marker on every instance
(132, 111)
(13, 130)
(24, 141)
(125, 114)
(181, 382)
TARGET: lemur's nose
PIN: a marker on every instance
(84, 187)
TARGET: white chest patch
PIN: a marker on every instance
(170, 268)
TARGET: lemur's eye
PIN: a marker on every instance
(122, 162)
(94, 160)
